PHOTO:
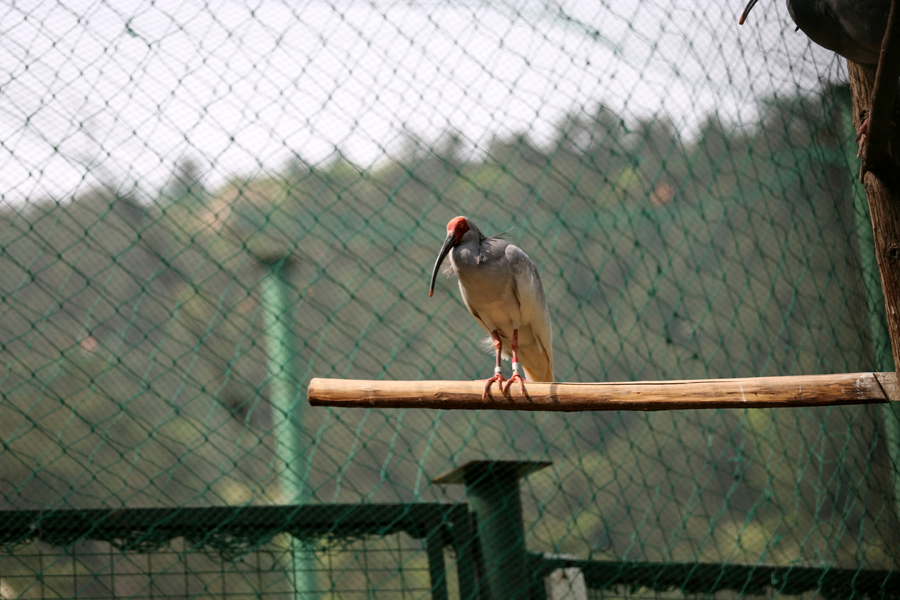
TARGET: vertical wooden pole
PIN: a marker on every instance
(875, 154)
(882, 185)
(874, 304)
(883, 192)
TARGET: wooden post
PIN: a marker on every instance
(875, 154)
(883, 192)
(873, 98)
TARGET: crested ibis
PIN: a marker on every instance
(501, 287)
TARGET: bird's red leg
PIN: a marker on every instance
(861, 136)
(498, 372)
(515, 364)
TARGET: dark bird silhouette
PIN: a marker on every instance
(852, 28)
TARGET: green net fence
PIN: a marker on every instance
(393, 551)
(686, 187)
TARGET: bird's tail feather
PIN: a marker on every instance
(547, 375)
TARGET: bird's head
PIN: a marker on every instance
(456, 229)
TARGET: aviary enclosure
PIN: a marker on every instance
(210, 210)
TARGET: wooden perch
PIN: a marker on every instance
(751, 392)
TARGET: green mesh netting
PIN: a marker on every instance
(686, 187)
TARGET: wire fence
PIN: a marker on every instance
(686, 187)
(389, 567)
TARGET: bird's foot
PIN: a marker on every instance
(861, 137)
(499, 378)
(515, 377)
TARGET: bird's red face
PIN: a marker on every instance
(458, 227)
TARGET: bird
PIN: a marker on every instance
(852, 28)
(501, 287)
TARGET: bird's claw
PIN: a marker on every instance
(515, 377)
(861, 137)
(487, 385)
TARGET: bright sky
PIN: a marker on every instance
(120, 90)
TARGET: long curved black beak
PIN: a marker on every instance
(445, 249)
(747, 10)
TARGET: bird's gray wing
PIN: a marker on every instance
(474, 313)
(532, 304)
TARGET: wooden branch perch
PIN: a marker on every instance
(752, 392)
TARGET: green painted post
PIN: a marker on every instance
(290, 448)
(875, 311)
(492, 491)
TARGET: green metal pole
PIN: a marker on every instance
(875, 310)
(278, 299)
(493, 495)
(492, 491)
